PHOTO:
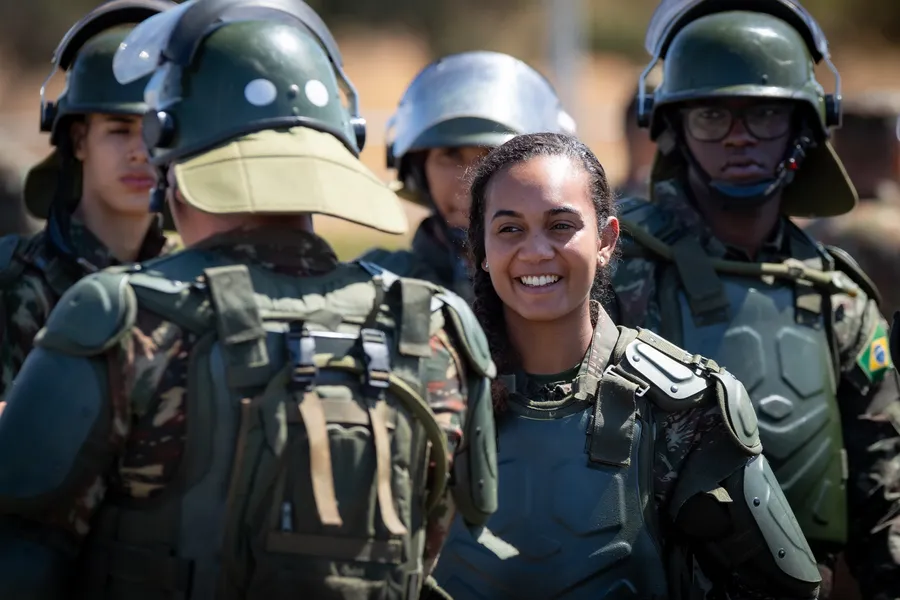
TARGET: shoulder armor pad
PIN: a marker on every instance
(846, 264)
(670, 380)
(469, 332)
(91, 316)
(738, 412)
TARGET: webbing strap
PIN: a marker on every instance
(320, 458)
(339, 548)
(238, 323)
(415, 318)
(612, 424)
(702, 286)
(377, 414)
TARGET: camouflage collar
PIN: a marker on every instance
(673, 197)
(87, 246)
(450, 269)
(566, 397)
(280, 249)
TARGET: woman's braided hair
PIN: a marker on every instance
(488, 306)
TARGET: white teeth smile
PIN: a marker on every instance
(539, 280)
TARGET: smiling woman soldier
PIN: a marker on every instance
(92, 189)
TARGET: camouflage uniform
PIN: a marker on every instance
(798, 323)
(38, 277)
(455, 102)
(36, 270)
(249, 416)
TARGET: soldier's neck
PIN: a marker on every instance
(744, 229)
(122, 234)
(550, 347)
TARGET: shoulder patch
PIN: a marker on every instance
(874, 359)
(469, 332)
(846, 264)
(91, 316)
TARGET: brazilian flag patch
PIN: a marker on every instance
(875, 358)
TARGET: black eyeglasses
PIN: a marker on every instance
(713, 123)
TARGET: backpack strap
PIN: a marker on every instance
(239, 324)
(702, 286)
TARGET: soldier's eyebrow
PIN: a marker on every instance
(506, 213)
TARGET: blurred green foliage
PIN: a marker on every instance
(30, 29)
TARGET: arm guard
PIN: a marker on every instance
(748, 537)
(31, 570)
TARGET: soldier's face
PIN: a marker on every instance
(740, 141)
(542, 243)
(445, 171)
(114, 163)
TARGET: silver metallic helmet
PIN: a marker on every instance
(473, 99)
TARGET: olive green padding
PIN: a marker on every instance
(455, 133)
(216, 106)
(821, 187)
(91, 86)
(738, 54)
(91, 317)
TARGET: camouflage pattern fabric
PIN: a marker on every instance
(152, 363)
(26, 302)
(871, 234)
(429, 258)
(871, 421)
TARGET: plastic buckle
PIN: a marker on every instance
(301, 348)
(377, 358)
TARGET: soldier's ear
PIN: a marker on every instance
(78, 134)
(607, 240)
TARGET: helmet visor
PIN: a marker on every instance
(141, 52)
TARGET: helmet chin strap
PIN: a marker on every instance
(748, 197)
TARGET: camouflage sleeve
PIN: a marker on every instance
(634, 286)
(445, 381)
(24, 308)
(870, 414)
(680, 436)
(154, 361)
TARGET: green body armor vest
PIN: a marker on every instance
(772, 330)
(311, 458)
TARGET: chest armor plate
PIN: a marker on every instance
(787, 369)
(579, 526)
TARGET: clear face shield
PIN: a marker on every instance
(669, 17)
(488, 86)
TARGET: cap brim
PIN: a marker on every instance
(295, 171)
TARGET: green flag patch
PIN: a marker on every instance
(875, 358)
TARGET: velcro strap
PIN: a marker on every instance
(313, 416)
(611, 430)
(377, 414)
(702, 286)
(238, 323)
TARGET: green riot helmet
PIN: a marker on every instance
(469, 99)
(85, 54)
(257, 84)
(765, 49)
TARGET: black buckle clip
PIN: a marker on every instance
(301, 348)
